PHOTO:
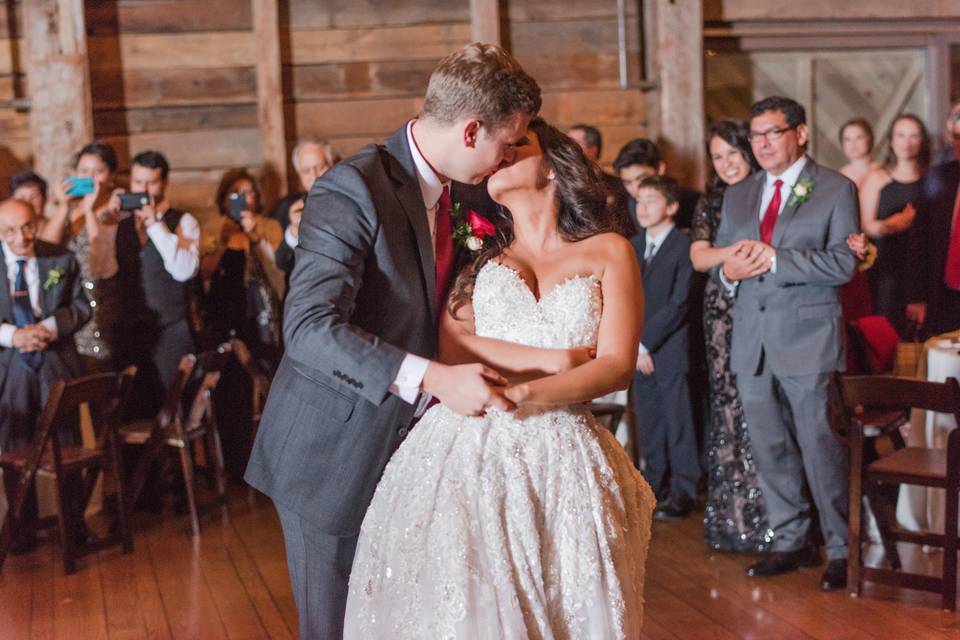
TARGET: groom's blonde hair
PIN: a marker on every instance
(482, 81)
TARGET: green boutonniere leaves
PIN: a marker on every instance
(801, 192)
(53, 278)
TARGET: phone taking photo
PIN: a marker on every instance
(134, 201)
(79, 186)
(237, 205)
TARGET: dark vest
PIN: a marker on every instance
(149, 291)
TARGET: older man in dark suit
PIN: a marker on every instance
(42, 305)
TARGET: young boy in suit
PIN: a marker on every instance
(664, 418)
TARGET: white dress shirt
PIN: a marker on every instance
(33, 286)
(180, 250)
(410, 376)
(790, 178)
(655, 242)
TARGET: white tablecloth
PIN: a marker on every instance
(919, 508)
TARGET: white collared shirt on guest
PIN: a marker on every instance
(33, 286)
(180, 249)
(410, 376)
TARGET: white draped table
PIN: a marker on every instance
(919, 508)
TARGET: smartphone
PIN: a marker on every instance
(134, 201)
(238, 204)
(79, 186)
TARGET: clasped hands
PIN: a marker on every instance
(33, 337)
(748, 259)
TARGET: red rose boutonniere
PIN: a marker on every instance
(470, 228)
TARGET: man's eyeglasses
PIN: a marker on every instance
(770, 134)
(28, 230)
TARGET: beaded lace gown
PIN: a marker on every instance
(529, 524)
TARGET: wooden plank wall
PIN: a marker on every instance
(353, 71)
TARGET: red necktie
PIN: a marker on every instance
(951, 272)
(443, 245)
(770, 216)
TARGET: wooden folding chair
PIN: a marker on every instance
(910, 465)
(608, 414)
(151, 434)
(260, 392)
(105, 394)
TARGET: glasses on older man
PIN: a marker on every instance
(769, 134)
(28, 230)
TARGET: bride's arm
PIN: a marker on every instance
(620, 327)
(460, 345)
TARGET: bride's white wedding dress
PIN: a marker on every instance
(532, 524)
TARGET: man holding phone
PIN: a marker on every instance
(158, 250)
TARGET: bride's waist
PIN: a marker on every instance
(543, 411)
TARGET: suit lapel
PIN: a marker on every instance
(6, 304)
(404, 175)
(48, 301)
(790, 210)
(753, 198)
(660, 256)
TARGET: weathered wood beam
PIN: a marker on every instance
(485, 21)
(58, 83)
(273, 145)
(679, 61)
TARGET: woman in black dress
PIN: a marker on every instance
(887, 212)
(735, 517)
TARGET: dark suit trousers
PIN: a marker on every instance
(665, 431)
(792, 440)
(319, 565)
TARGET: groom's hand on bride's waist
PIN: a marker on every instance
(468, 389)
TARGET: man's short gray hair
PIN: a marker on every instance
(328, 151)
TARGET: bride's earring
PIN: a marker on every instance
(552, 175)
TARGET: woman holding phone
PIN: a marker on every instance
(86, 212)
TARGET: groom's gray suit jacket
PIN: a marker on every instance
(361, 296)
(792, 317)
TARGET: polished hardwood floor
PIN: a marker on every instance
(231, 582)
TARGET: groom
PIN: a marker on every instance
(373, 266)
(788, 332)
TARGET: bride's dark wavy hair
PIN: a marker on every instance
(584, 208)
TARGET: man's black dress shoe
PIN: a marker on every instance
(835, 577)
(675, 508)
(779, 562)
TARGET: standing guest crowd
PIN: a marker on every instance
(743, 284)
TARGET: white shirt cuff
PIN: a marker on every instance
(291, 240)
(731, 287)
(773, 263)
(51, 325)
(643, 349)
(6, 335)
(407, 383)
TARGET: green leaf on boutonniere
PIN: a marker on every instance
(53, 278)
(801, 192)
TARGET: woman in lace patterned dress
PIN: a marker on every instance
(531, 523)
(87, 226)
(734, 517)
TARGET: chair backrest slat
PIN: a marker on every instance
(892, 392)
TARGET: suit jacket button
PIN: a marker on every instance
(762, 309)
(760, 278)
(402, 432)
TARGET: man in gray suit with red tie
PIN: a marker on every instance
(373, 266)
(788, 332)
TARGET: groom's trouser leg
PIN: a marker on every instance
(825, 458)
(650, 431)
(319, 566)
(681, 436)
(777, 456)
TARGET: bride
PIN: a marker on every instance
(531, 523)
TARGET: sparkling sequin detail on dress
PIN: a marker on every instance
(526, 525)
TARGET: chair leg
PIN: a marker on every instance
(856, 510)
(16, 489)
(219, 469)
(186, 464)
(949, 601)
(123, 513)
(65, 526)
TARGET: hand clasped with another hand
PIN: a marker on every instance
(749, 259)
(33, 337)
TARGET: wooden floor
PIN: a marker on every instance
(231, 582)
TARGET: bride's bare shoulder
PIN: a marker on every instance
(608, 246)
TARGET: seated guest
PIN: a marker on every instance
(32, 189)
(311, 158)
(641, 158)
(87, 226)
(158, 250)
(591, 141)
(241, 282)
(661, 394)
(934, 249)
(887, 211)
(856, 139)
(42, 305)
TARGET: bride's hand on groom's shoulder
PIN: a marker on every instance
(468, 389)
(561, 360)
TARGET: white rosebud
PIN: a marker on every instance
(800, 190)
(474, 243)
